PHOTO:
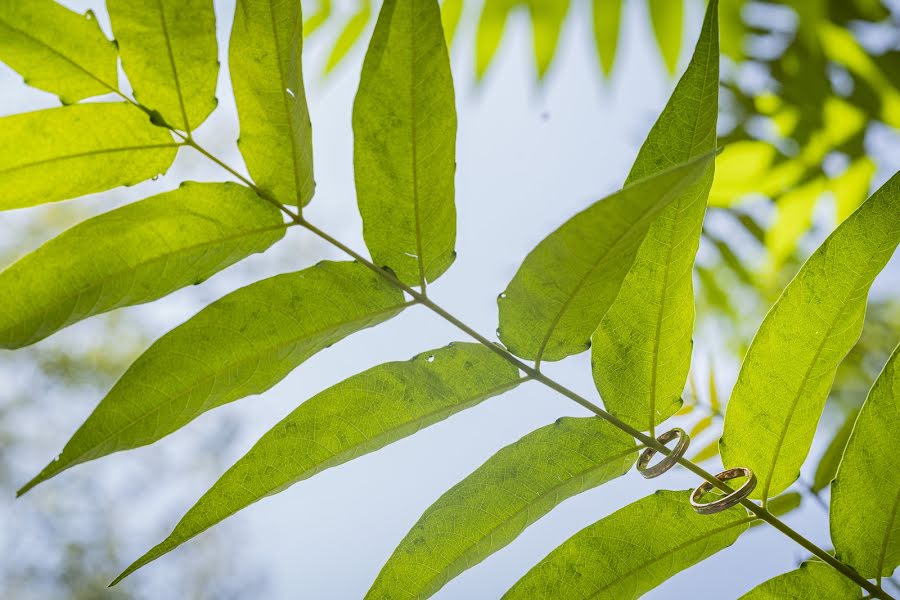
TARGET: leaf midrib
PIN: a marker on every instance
(171, 54)
(413, 145)
(88, 153)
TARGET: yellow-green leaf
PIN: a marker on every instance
(404, 127)
(865, 496)
(489, 33)
(359, 415)
(632, 551)
(132, 255)
(707, 452)
(451, 13)
(831, 458)
(319, 18)
(607, 16)
(667, 17)
(547, 20)
(492, 506)
(642, 349)
(57, 50)
(790, 366)
(350, 35)
(61, 153)
(238, 346)
(811, 580)
(267, 74)
(169, 52)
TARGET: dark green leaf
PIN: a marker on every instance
(811, 580)
(404, 127)
(492, 506)
(238, 346)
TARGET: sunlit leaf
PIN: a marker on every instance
(783, 504)
(266, 72)
(567, 283)
(451, 12)
(793, 220)
(667, 18)
(359, 415)
(169, 52)
(61, 153)
(489, 33)
(739, 170)
(811, 580)
(642, 349)
(404, 127)
(607, 17)
(238, 346)
(57, 50)
(632, 550)
(707, 452)
(701, 426)
(319, 18)
(865, 495)
(790, 366)
(132, 255)
(492, 506)
(851, 188)
(350, 35)
(547, 19)
(831, 458)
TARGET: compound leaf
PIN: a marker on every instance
(57, 50)
(492, 506)
(865, 496)
(359, 415)
(641, 352)
(404, 127)
(61, 153)
(811, 580)
(566, 284)
(134, 254)
(169, 52)
(790, 366)
(238, 346)
(265, 55)
(632, 550)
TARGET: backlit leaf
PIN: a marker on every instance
(61, 153)
(489, 33)
(238, 346)
(566, 284)
(547, 19)
(169, 52)
(350, 35)
(57, 50)
(831, 458)
(790, 366)
(266, 72)
(811, 580)
(641, 352)
(492, 506)
(359, 415)
(132, 255)
(632, 550)
(404, 127)
(667, 17)
(707, 452)
(607, 16)
(451, 12)
(319, 18)
(865, 495)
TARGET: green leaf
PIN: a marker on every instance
(350, 35)
(492, 506)
(315, 21)
(811, 580)
(566, 284)
(547, 19)
(451, 12)
(632, 550)
(238, 346)
(782, 505)
(865, 496)
(642, 349)
(267, 74)
(359, 415)
(61, 153)
(828, 465)
(404, 152)
(790, 366)
(607, 15)
(134, 254)
(489, 33)
(169, 52)
(707, 452)
(667, 17)
(57, 50)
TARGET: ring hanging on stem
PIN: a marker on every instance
(684, 440)
(725, 502)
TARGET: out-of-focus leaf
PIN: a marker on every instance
(492, 506)
(314, 22)
(811, 580)
(490, 32)
(667, 17)
(714, 403)
(851, 188)
(701, 426)
(707, 452)
(547, 19)
(794, 218)
(266, 72)
(404, 128)
(169, 52)
(134, 254)
(57, 50)
(451, 12)
(566, 284)
(783, 504)
(865, 496)
(787, 373)
(739, 169)
(607, 15)
(642, 348)
(238, 346)
(831, 458)
(359, 415)
(733, 29)
(61, 153)
(350, 35)
(622, 557)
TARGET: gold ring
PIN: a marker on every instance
(669, 461)
(728, 501)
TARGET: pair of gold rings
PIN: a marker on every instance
(704, 508)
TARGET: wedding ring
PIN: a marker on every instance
(667, 462)
(725, 502)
